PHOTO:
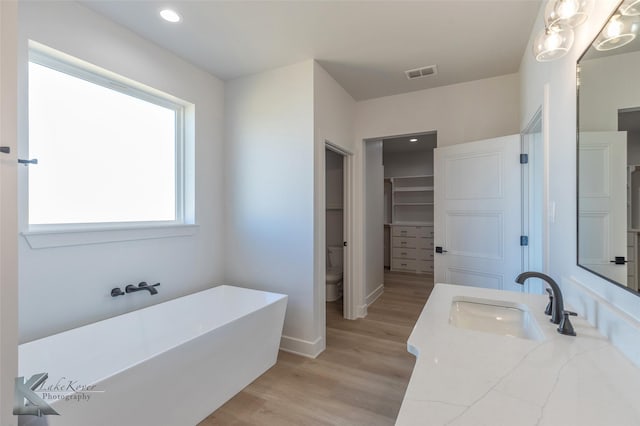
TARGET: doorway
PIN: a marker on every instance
(477, 217)
(398, 211)
(335, 241)
(534, 221)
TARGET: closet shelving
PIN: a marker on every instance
(412, 199)
(411, 221)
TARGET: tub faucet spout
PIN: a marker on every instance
(142, 286)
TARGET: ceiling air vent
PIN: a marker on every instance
(421, 72)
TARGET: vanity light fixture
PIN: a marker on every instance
(170, 15)
(552, 43)
(620, 30)
(630, 8)
(560, 17)
(571, 13)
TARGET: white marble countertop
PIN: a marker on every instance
(474, 378)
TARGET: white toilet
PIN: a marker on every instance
(334, 273)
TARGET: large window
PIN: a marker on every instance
(108, 152)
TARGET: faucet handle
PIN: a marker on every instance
(549, 309)
(565, 326)
(117, 291)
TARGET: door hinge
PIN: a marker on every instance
(27, 162)
(524, 240)
(524, 158)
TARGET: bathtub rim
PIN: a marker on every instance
(279, 297)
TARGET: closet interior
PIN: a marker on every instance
(409, 202)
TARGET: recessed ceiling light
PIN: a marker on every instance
(170, 15)
(413, 140)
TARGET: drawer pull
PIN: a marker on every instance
(404, 254)
(403, 264)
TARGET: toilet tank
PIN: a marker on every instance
(334, 254)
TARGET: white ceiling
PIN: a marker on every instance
(365, 45)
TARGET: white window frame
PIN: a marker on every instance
(54, 235)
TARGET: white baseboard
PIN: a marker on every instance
(302, 347)
(361, 311)
(373, 296)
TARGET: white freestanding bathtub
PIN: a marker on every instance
(169, 364)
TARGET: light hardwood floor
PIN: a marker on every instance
(360, 379)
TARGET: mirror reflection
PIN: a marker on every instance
(609, 150)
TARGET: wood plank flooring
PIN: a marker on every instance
(360, 379)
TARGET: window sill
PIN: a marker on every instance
(99, 235)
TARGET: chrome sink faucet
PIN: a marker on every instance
(558, 314)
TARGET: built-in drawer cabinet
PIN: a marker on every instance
(425, 254)
(632, 260)
(424, 231)
(404, 242)
(404, 253)
(412, 248)
(404, 231)
(425, 267)
(408, 265)
(425, 243)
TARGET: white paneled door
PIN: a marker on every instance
(602, 203)
(477, 213)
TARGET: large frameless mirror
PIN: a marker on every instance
(609, 150)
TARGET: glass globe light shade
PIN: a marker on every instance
(630, 8)
(620, 30)
(567, 12)
(552, 43)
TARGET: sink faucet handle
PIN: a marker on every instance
(565, 326)
(549, 309)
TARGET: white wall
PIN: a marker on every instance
(460, 113)
(61, 288)
(269, 157)
(558, 80)
(374, 221)
(334, 111)
(8, 219)
(333, 116)
(408, 163)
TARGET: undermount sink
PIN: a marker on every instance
(494, 316)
